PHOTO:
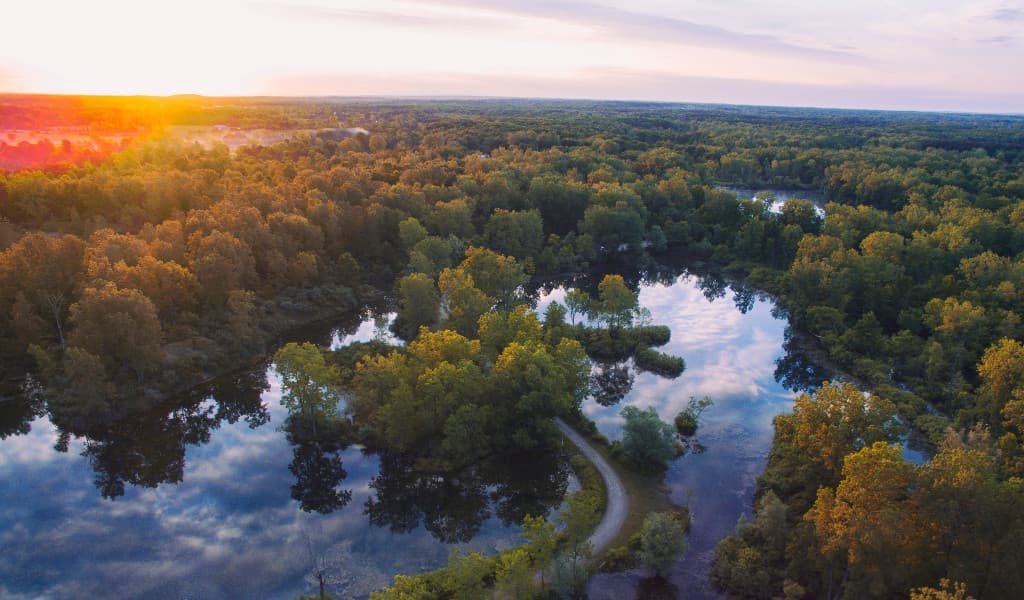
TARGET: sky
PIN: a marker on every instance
(896, 54)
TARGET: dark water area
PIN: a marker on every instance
(207, 497)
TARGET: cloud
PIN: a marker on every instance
(996, 39)
(1007, 14)
(645, 26)
(389, 17)
(614, 21)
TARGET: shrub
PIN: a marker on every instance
(647, 440)
(662, 541)
(659, 363)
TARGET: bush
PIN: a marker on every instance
(688, 419)
(659, 363)
(662, 541)
(686, 423)
(650, 335)
(618, 559)
(647, 441)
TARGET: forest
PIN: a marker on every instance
(133, 276)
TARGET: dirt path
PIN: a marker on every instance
(617, 505)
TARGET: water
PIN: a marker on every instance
(196, 499)
(781, 196)
(207, 509)
(731, 340)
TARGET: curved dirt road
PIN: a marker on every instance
(617, 504)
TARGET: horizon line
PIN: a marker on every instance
(484, 97)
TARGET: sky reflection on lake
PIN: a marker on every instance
(229, 529)
(730, 344)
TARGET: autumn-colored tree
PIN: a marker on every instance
(120, 326)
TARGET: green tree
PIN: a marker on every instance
(310, 388)
(44, 274)
(662, 541)
(464, 303)
(580, 516)
(616, 302)
(516, 233)
(419, 304)
(646, 439)
(496, 275)
(578, 302)
(515, 573)
(411, 232)
(541, 542)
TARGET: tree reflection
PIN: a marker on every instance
(453, 507)
(656, 588)
(610, 383)
(795, 369)
(18, 408)
(317, 464)
(712, 285)
(743, 297)
(147, 448)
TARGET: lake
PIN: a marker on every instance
(735, 347)
(206, 497)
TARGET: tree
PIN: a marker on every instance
(463, 302)
(516, 233)
(662, 541)
(561, 202)
(613, 229)
(554, 316)
(44, 272)
(498, 330)
(869, 519)
(496, 275)
(580, 516)
(541, 542)
(947, 590)
(616, 301)
(838, 420)
(468, 574)
(514, 575)
(419, 304)
(120, 327)
(1001, 399)
(578, 302)
(221, 263)
(687, 420)
(309, 386)
(411, 233)
(646, 439)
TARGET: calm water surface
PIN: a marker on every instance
(200, 502)
(196, 501)
(732, 342)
